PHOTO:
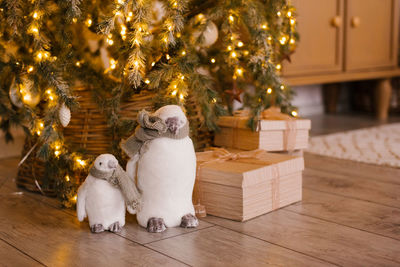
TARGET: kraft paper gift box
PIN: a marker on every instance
(241, 186)
(280, 133)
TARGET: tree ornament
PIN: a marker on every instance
(210, 35)
(28, 95)
(15, 95)
(157, 12)
(64, 115)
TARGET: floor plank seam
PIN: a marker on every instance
(348, 175)
(276, 244)
(194, 231)
(4, 182)
(345, 225)
(340, 195)
(166, 255)
(23, 252)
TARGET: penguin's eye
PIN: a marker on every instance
(101, 163)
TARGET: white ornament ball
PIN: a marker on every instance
(210, 34)
(64, 115)
(15, 96)
(157, 12)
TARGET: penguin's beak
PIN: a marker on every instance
(112, 164)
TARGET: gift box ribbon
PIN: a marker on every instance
(220, 155)
(272, 113)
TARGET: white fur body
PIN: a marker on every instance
(166, 175)
(101, 202)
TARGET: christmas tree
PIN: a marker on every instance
(209, 52)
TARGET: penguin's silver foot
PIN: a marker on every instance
(97, 228)
(189, 221)
(115, 227)
(156, 225)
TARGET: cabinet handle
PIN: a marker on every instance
(337, 21)
(355, 22)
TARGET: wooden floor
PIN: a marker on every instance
(349, 216)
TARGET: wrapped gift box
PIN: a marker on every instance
(241, 186)
(270, 135)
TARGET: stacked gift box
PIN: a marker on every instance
(244, 180)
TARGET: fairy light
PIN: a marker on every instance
(294, 113)
(89, 22)
(78, 64)
(283, 40)
(264, 26)
(231, 18)
(239, 71)
(240, 44)
(167, 57)
(67, 178)
(57, 153)
(269, 91)
(212, 60)
(282, 87)
(289, 14)
(35, 15)
(214, 100)
(269, 38)
(74, 20)
(81, 162)
(229, 48)
(278, 13)
(181, 96)
(33, 30)
(182, 77)
(174, 92)
(233, 54)
(153, 63)
(123, 30)
(292, 22)
(113, 64)
(74, 198)
(292, 41)
(279, 67)
(30, 69)
(147, 81)
(136, 63)
(183, 53)
(110, 41)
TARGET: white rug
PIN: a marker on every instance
(377, 145)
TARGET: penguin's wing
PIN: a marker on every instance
(81, 201)
(131, 166)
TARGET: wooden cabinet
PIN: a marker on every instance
(371, 34)
(320, 49)
(344, 40)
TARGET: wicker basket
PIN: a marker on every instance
(88, 130)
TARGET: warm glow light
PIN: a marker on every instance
(30, 69)
(67, 178)
(183, 53)
(269, 91)
(283, 40)
(81, 162)
(233, 54)
(57, 153)
(48, 91)
(282, 87)
(289, 14)
(264, 26)
(110, 41)
(292, 21)
(74, 20)
(75, 198)
(292, 41)
(214, 100)
(35, 15)
(153, 63)
(147, 81)
(240, 44)
(89, 22)
(136, 63)
(229, 48)
(212, 60)
(239, 71)
(181, 97)
(78, 64)
(279, 66)
(167, 57)
(174, 92)
(294, 113)
(231, 18)
(113, 64)
(278, 13)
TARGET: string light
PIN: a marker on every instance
(289, 14)
(153, 63)
(74, 198)
(174, 92)
(41, 55)
(78, 64)
(246, 52)
(278, 13)
(74, 20)
(182, 77)
(113, 64)
(183, 53)
(30, 69)
(269, 91)
(89, 22)
(292, 41)
(35, 15)
(294, 113)
(240, 44)
(214, 100)
(283, 40)
(264, 26)
(231, 18)
(282, 87)
(239, 71)
(67, 178)
(233, 54)
(229, 48)
(279, 67)
(167, 57)
(81, 162)
(212, 60)
(110, 41)
(292, 21)
(181, 96)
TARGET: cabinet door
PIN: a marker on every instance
(371, 34)
(321, 34)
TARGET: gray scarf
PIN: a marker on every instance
(149, 128)
(120, 178)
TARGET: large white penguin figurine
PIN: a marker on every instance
(166, 169)
(99, 200)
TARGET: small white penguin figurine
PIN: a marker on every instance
(166, 169)
(99, 200)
